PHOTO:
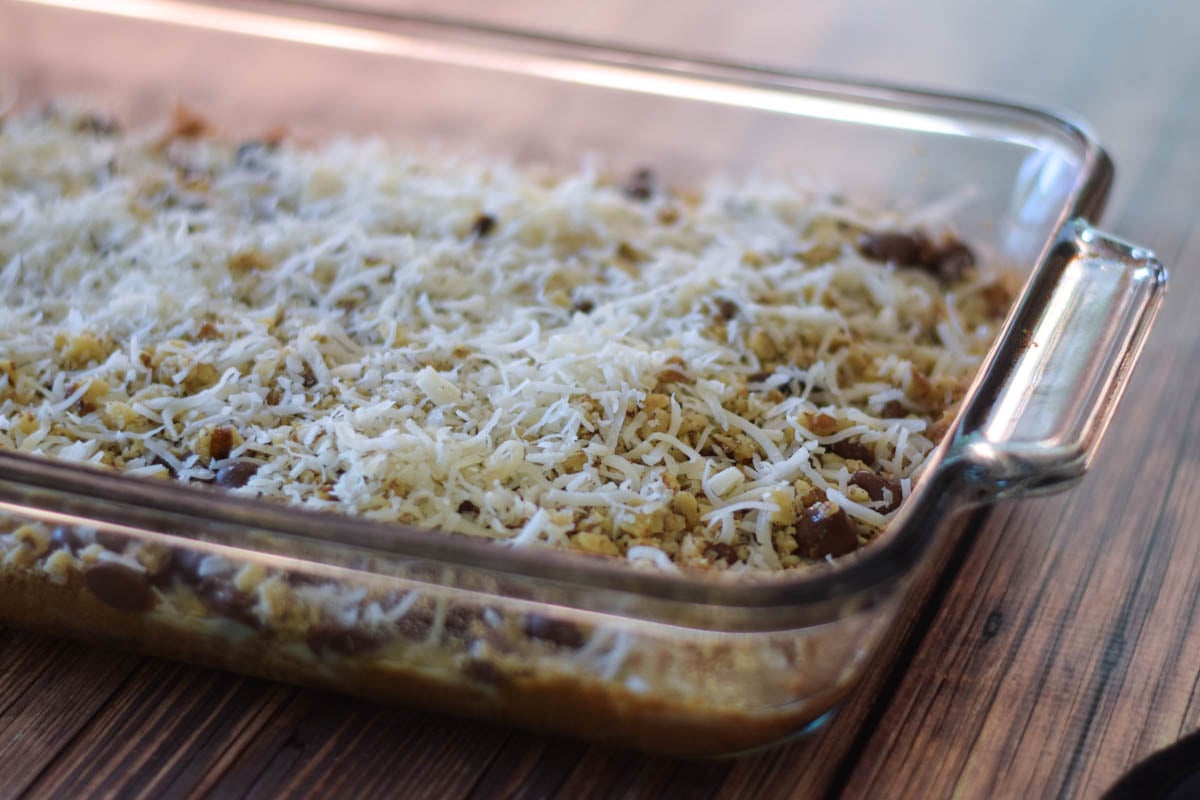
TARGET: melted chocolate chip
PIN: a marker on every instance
(948, 261)
(186, 564)
(893, 409)
(483, 225)
(559, 631)
(641, 185)
(891, 247)
(111, 541)
(236, 475)
(849, 449)
(222, 597)
(723, 551)
(585, 305)
(65, 537)
(305, 579)
(120, 586)
(873, 484)
(467, 507)
(339, 639)
(952, 261)
(822, 532)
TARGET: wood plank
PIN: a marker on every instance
(1062, 650)
(159, 737)
(322, 744)
(49, 690)
(528, 767)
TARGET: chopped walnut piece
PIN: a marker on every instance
(590, 542)
(246, 261)
(82, 349)
(823, 424)
(215, 443)
(200, 377)
(187, 124)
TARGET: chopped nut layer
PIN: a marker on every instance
(748, 377)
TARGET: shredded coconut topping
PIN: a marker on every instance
(727, 379)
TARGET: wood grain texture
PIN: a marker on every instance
(1049, 652)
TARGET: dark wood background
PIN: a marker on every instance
(1056, 646)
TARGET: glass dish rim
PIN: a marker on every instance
(876, 566)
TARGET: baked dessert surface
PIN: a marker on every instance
(748, 377)
(741, 380)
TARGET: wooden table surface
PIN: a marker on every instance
(1054, 650)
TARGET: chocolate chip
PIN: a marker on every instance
(727, 309)
(813, 496)
(893, 409)
(467, 507)
(305, 579)
(891, 247)
(339, 639)
(222, 597)
(873, 484)
(585, 305)
(641, 185)
(220, 442)
(65, 537)
(111, 541)
(821, 532)
(120, 586)
(186, 564)
(236, 475)
(723, 551)
(948, 261)
(559, 631)
(849, 449)
(483, 225)
(952, 261)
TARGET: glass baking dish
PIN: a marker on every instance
(667, 663)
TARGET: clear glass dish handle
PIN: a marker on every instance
(1047, 400)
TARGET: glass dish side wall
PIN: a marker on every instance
(1007, 177)
(502, 654)
(514, 650)
(1005, 174)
